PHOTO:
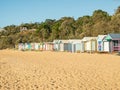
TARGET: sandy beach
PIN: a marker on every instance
(48, 70)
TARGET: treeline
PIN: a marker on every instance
(65, 28)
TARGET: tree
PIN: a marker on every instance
(115, 23)
(117, 11)
(67, 28)
(55, 30)
(101, 21)
(99, 15)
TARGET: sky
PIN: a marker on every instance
(30, 11)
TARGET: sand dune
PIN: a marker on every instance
(58, 71)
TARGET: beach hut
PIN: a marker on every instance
(78, 45)
(75, 45)
(112, 43)
(90, 44)
(32, 46)
(41, 46)
(64, 45)
(100, 39)
(84, 40)
(27, 46)
(106, 46)
(21, 46)
(61, 45)
(37, 46)
(69, 47)
(56, 45)
(49, 46)
(82, 47)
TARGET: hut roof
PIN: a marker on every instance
(74, 40)
(60, 41)
(88, 38)
(48, 42)
(101, 37)
(113, 37)
(64, 41)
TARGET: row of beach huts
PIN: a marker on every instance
(102, 43)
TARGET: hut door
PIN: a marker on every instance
(74, 48)
(106, 46)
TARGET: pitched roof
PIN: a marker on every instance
(101, 37)
(112, 37)
(88, 38)
(115, 36)
(64, 41)
(60, 41)
(74, 40)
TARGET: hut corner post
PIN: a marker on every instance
(91, 46)
(119, 47)
(110, 46)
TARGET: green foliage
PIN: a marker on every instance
(65, 28)
(117, 11)
(6, 42)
